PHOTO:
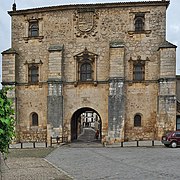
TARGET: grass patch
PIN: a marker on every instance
(30, 152)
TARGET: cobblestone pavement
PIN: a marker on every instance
(127, 163)
(31, 169)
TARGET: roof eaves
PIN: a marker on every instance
(167, 44)
(9, 51)
(95, 5)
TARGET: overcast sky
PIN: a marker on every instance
(173, 19)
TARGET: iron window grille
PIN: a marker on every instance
(33, 29)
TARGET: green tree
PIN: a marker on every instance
(6, 120)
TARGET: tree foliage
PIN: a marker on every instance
(6, 120)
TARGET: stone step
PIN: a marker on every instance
(88, 135)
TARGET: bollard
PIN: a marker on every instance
(21, 145)
(46, 144)
(51, 141)
(152, 142)
(57, 139)
(121, 144)
(137, 143)
(34, 145)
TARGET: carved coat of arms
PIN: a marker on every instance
(85, 22)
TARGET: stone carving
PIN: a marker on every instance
(85, 22)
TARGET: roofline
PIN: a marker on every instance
(98, 5)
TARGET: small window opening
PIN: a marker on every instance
(33, 73)
(139, 22)
(34, 119)
(33, 29)
(138, 71)
(137, 120)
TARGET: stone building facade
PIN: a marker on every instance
(102, 66)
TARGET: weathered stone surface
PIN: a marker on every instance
(108, 32)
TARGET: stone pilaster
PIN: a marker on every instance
(55, 95)
(116, 111)
(166, 119)
(116, 94)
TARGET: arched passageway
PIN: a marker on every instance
(86, 125)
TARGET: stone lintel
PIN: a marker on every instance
(116, 44)
(55, 48)
(116, 79)
(55, 80)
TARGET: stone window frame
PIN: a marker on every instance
(133, 63)
(139, 23)
(34, 119)
(139, 70)
(137, 120)
(29, 21)
(86, 72)
(133, 17)
(29, 68)
(88, 58)
(33, 29)
(33, 73)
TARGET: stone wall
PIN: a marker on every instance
(109, 34)
(141, 98)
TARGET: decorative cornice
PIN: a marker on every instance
(98, 6)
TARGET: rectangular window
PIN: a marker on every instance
(139, 22)
(138, 71)
(33, 29)
(33, 73)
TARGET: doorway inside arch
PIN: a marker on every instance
(86, 126)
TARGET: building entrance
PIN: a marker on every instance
(86, 125)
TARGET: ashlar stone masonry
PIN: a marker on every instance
(105, 66)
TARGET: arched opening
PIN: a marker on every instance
(137, 120)
(35, 119)
(86, 125)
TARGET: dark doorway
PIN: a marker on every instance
(86, 125)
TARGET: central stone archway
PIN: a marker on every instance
(86, 125)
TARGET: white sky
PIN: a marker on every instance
(173, 22)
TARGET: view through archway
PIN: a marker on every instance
(86, 126)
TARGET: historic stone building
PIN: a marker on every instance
(97, 69)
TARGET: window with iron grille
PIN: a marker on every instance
(138, 71)
(33, 29)
(139, 22)
(86, 72)
(86, 69)
(137, 120)
(33, 73)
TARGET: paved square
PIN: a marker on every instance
(137, 163)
